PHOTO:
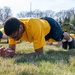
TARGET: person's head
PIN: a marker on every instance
(13, 28)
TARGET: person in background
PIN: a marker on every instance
(60, 43)
(36, 30)
(2, 34)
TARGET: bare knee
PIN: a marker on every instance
(66, 36)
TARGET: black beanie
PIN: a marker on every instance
(11, 25)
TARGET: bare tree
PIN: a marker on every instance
(5, 12)
(24, 14)
(49, 13)
(72, 26)
(61, 14)
(21, 14)
(37, 13)
(1, 15)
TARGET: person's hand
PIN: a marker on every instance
(2, 51)
(7, 52)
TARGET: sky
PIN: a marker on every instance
(24, 5)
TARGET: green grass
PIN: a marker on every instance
(1, 26)
(54, 61)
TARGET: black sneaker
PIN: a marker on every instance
(71, 44)
(65, 44)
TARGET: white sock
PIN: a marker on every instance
(70, 39)
(63, 40)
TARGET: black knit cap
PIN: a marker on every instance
(11, 25)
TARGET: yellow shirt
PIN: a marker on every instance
(52, 40)
(2, 30)
(73, 35)
(35, 31)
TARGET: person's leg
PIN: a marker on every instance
(57, 34)
(1, 34)
(66, 36)
(65, 40)
(64, 44)
(68, 40)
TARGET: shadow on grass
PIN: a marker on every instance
(3, 42)
(6, 42)
(51, 56)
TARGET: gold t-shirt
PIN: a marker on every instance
(35, 31)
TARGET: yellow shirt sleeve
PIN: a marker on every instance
(73, 35)
(2, 30)
(12, 41)
(51, 40)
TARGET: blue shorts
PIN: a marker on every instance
(1, 34)
(56, 32)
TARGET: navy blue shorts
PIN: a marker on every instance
(56, 32)
(1, 34)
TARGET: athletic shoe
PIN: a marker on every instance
(71, 44)
(65, 44)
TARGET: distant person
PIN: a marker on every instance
(2, 34)
(36, 30)
(60, 43)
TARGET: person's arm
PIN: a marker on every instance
(5, 36)
(8, 52)
(37, 51)
(12, 47)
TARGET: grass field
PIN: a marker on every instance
(1, 26)
(54, 61)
